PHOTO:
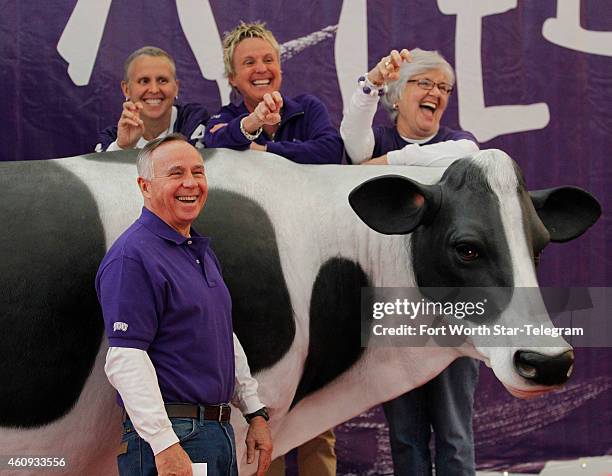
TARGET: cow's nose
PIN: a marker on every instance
(544, 369)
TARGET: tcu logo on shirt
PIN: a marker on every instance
(120, 326)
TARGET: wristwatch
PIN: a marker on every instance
(262, 412)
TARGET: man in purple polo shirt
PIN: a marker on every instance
(167, 314)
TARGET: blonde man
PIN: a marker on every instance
(298, 128)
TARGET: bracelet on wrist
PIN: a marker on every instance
(370, 88)
(248, 135)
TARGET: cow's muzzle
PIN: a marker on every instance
(544, 369)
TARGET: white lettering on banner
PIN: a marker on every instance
(80, 41)
(351, 48)
(81, 38)
(484, 122)
(200, 28)
(565, 30)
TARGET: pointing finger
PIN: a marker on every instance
(405, 54)
(278, 99)
(269, 102)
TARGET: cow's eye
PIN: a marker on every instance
(467, 252)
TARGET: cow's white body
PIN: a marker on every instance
(313, 222)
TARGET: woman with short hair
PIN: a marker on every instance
(149, 112)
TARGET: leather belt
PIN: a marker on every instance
(207, 412)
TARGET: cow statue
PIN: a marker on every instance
(295, 254)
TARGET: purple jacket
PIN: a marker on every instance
(305, 134)
(188, 118)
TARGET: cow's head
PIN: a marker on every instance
(479, 227)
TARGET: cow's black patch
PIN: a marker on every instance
(335, 324)
(51, 243)
(243, 238)
(468, 236)
(468, 220)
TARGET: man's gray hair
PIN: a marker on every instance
(422, 61)
(144, 162)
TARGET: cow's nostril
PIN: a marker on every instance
(544, 369)
(527, 371)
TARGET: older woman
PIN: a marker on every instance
(415, 88)
(298, 128)
(150, 88)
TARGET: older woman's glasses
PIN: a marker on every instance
(428, 85)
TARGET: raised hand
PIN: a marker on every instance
(266, 113)
(130, 127)
(387, 69)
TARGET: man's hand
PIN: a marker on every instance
(259, 438)
(130, 127)
(382, 160)
(266, 113)
(256, 146)
(173, 461)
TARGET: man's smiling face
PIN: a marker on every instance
(419, 110)
(257, 70)
(177, 191)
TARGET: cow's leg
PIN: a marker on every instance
(381, 374)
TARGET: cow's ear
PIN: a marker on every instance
(567, 212)
(395, 205)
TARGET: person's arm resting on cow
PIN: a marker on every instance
(321, 143)
(440, 154)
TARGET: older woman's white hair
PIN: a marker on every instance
(422, 61)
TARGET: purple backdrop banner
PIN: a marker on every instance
(533, 79)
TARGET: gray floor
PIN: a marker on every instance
(599, 466)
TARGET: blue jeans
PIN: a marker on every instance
(445, 404)
(205, 441)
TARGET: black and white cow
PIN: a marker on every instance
(295, 257)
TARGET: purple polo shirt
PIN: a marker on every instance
(387, 139)
(305, 134)
(163, 293)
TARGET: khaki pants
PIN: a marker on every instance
(316, 457)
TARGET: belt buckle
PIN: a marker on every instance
(223, 408)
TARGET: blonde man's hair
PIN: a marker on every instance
(242, 32)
